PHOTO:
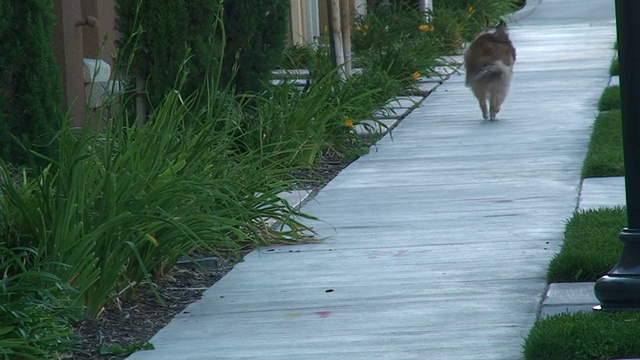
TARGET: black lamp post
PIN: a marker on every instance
(620, 288)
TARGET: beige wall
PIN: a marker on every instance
(297, 22)
(305, 20)
(67, 44)
(80, 31)
(99, 40)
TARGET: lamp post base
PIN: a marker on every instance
(618, 293)
(619, 290)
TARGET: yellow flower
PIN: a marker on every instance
(152, 239)
(363, 28)
(426, 27)
(415, 75)
(349, 123)
(471, 10)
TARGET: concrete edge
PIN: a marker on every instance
(570, 304)
(568, 298)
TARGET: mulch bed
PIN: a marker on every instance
(131, 322)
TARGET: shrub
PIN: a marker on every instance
(34, 309)
(396, 40)
(459, 21)
(298, 57)
(496, 8)
(256, 38)
(119, 206)
(299, 125)
(30, 85)
(157, 37)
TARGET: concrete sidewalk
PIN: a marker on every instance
(436, 244)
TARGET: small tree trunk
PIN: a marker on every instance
(141, 101)
(336, 34)
(345, 20)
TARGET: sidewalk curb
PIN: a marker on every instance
(567, 297)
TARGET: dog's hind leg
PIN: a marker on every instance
(496, 98)
(480, 93)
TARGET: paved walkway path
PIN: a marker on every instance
(437, 242)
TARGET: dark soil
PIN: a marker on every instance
(126, 326)
(131, 323)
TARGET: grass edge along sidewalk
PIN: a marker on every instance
(590, 249)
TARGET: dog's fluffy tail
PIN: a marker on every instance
(487, 73)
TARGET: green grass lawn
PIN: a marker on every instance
(610, 99)
(591, 246)
(584, 336)
(614, 70)
(605, 156)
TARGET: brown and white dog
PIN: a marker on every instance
(489, 63)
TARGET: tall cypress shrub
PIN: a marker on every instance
(154, 35)
(30, 80)
(159, 36)
(157, 33)
(256, 36)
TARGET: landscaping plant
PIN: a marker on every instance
(30, 81)
(299, 125)
(157, 37)
(459, 21)
(34, 308)
(120, 206)
(255, 41)
(166, 33)
(396, 39)
(299, 56)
